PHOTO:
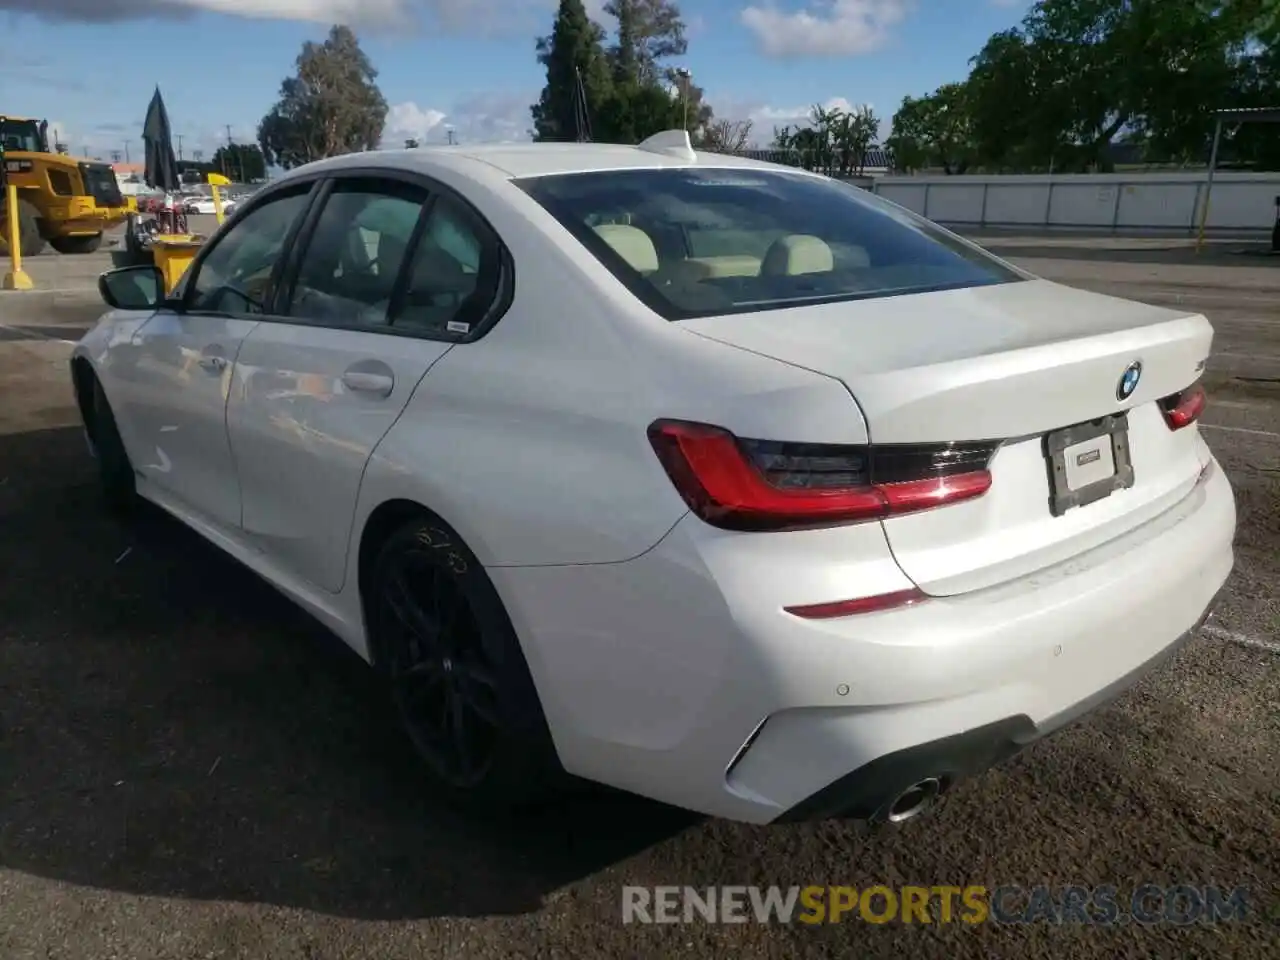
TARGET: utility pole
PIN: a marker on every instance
(179, 146)
(126, 151)
(685, 78)
(231, 144)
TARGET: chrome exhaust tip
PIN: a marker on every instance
(915, 799)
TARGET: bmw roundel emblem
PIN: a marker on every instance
(1129, 380)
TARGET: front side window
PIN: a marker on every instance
(235, 277)
(348, 272)
(695, 242)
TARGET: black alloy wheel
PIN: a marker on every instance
(458, 678)
(443, 683)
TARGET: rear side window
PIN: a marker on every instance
(455, 277)
(694, 242)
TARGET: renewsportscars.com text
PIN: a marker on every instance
(1181, 905)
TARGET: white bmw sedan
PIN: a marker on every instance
(716, 481)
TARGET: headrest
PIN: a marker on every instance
(632, 244)
(797, 254)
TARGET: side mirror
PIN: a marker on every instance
(133, 288)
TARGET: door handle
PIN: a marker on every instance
(214, 364)
(366, 382)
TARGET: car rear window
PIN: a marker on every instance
(694, 242)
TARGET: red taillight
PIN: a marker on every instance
(849, 608)
(1183, 409)
(744, 484)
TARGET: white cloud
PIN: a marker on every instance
(830, 28)
(408, 121)
(311, 11)
(477, 118)
(472, 16)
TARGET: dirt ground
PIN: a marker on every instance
(190, 768)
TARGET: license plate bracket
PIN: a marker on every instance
(1063, 497)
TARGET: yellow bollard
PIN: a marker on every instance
(16, 278)
(217, 180)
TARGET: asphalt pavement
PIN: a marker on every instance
(191, 768)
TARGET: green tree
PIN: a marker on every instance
(1255, 144)
(240, 161)
(835, 141)
(1020, 105)
(332, 105)
(636, 111)
(574, 51)
(648, 32)
(1080, 75)
(630, 91)
(936, 130)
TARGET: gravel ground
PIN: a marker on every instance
(190, 768)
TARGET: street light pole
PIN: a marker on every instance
(685, 76)
(1208, 186)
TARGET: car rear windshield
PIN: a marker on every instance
(702, 242)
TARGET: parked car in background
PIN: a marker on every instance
(708, 479)
(200, 205)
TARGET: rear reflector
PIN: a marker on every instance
(849, 608)
(1183, 409)
(741, 484)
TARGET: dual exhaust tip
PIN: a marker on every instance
(914, 800)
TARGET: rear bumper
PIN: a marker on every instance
(868, 791)
(679, 676)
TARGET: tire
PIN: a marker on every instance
(478, 674)
(74, 245)
(115, 472)
(29, 230)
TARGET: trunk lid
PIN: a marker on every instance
(1014, 362)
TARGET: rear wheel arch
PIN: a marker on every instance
(386, 518)
(526, 764)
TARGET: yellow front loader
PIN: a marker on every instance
(62, 201)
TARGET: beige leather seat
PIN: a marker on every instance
(797, 254)
(632, 244)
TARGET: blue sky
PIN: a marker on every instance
(89, 66)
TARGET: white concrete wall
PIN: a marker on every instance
(1240, 202)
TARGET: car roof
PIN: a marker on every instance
(515, 160)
